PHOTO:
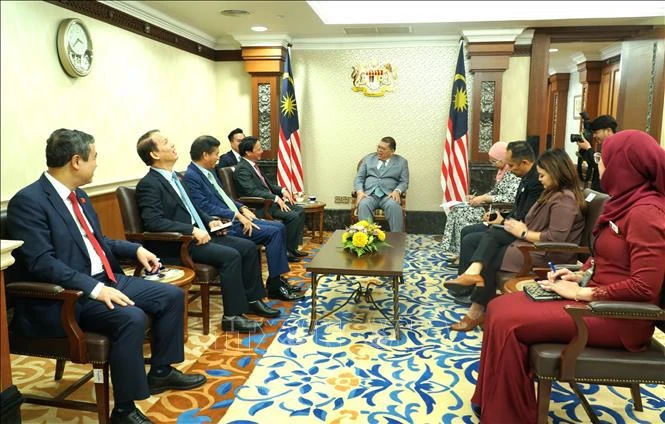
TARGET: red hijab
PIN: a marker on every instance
(634, 174)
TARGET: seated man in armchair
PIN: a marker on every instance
(64, 244)
(382, 178)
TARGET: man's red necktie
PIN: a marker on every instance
(93, 240)
(258, 171)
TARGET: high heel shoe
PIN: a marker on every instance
(465, 280)
(467, 323)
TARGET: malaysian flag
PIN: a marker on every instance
(454, 170)
(289, 161)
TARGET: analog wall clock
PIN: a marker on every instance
(74, 47)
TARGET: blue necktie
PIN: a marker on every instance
(188, 203)
(225, 198)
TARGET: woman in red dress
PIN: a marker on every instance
(630, 238)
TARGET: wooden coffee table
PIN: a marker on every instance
(388, 262)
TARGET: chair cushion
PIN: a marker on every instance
(205, 273)
(98, 347)
(599, 363)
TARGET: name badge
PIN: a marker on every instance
(614, 227)
(590, 197)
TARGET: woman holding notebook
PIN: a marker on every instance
(629, 247)
(556, 217)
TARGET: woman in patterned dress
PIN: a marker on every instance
(472, 213)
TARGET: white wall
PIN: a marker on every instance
(572, 124)
(136, 84)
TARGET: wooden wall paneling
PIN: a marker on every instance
(265, 65)
(108, 210)
(640, 103)
(559, 84)
(590, 72)
(609, 89)
(488, 62)
(536, 125)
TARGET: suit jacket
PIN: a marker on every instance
(528, 192)
(204, 196)
(248, 183)
(392, 176)
(162, 209)
(227, 159)
(54, 251)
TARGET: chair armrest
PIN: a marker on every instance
(185, 258)
(600, 309)
(78, 349)
(556, 247)
(258, 203)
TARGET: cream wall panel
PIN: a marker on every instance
(515, 98)
(136, 84)
(234, 91)
(339, 126)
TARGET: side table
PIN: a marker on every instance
(315, 212)
(178, 276)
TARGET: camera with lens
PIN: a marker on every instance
(587, 132)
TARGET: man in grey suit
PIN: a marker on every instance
(382, 178)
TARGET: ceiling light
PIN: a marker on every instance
(395, 12)
(554, 50)
(259, 28)
(234, 13)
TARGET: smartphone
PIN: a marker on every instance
(493, 216)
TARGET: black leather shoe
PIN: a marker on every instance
(283, 293)
(261, 309)
(175, 380)
(462, 298)
(292, 258)
(134, 417)
(298, 253)
(292, 289)
(241, 324)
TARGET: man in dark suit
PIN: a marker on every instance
(250, 181)
(165, 205)
(479, 238)
(382, 178)
(64, 244)
(207, 194)
(232, 157)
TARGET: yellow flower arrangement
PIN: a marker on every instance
(363, 237)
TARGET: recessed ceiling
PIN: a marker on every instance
(297, 20)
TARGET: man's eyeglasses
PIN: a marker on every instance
(596, 157)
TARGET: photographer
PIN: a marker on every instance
(594, 131)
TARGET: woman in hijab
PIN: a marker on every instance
(504, 191)
(630, 238)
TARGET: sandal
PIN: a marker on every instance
(467, 323)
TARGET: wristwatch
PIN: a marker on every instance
(523, 235)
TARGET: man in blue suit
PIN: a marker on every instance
(207, 194)
(64, 244)
(165, 205)
(232, 157)
(382, 178)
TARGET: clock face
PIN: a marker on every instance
(74, 48)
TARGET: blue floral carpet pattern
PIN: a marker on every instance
(352, 370)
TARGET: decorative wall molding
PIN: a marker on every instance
(102, 11)
(508, 35)
(352, 43)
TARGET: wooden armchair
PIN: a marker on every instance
(378, 214)
(226, 177)
(583, 250)
(206, 275)
(575, 363)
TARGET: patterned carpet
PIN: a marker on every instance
(351, 370)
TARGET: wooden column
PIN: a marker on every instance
(536, 123)
(557, 108)
(590, 76)
(265, 65)
(11, 398)
(488, 62)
